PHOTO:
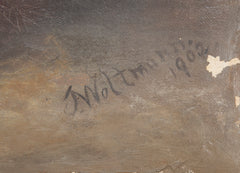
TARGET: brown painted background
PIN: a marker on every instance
(156, 116)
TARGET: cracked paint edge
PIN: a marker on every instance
(216, 66)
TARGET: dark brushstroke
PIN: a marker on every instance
(159, 53)
(110, 83)
(120, 72)
(140, 69)
(68, 92)
(180, 64)
(173, 73)
(190, 56)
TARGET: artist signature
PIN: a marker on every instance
(191, 49)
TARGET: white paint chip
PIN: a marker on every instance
(237, 101)
(216, 66)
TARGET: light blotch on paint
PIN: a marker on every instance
(237, 101)
(190, 171)
(237, 123)
(216, 66)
